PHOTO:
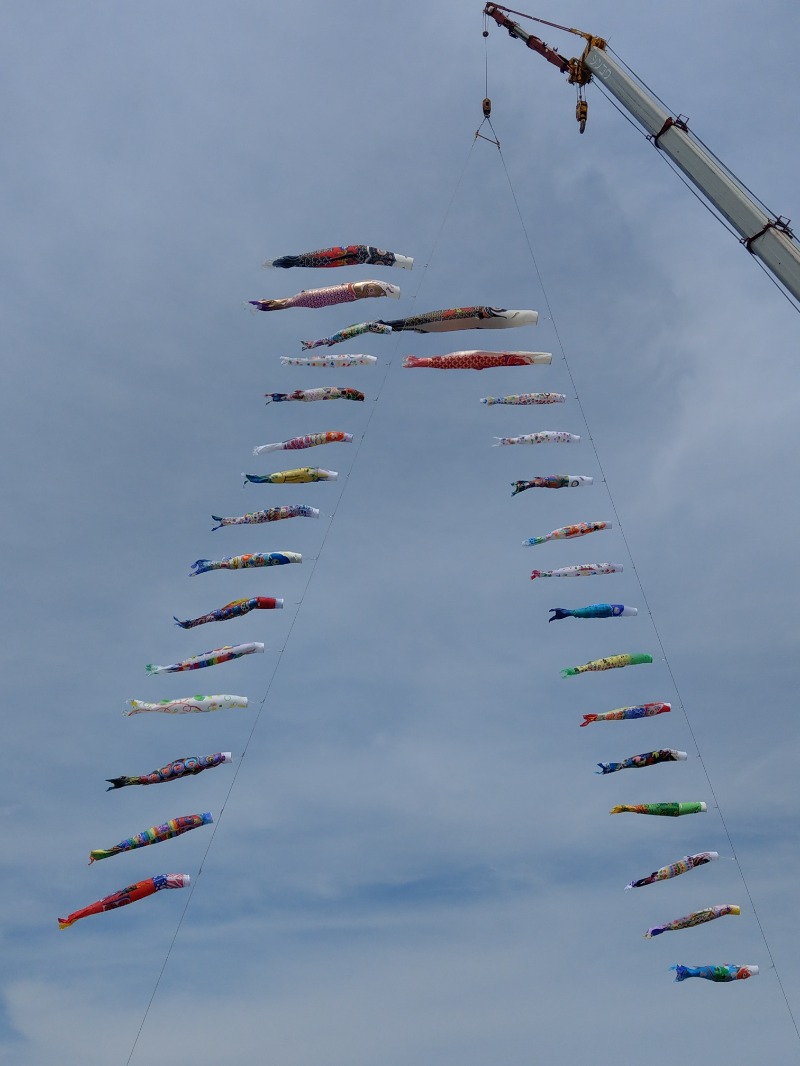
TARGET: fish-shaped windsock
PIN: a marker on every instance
(649, 758)
(127, 895)
(708, 914)
(524, 399)
(479, 360)
(621, 714)
(726, 972)
(301, 475)
(186, 705)
(271, 514)
(577, 529)
(552, 481)
(594, 610)
(186, 767)
(661, 810)
(329, 392)
(583, 570)
(436, 322)
(343, 255)
(545, 436)
(234, 609)
(333, 294)
(610, 662)
(208, 658)
(333, 361)
(242, 562)
(675, 869)
(154, 835)
(309, 440)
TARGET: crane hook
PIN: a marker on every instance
(581, 113)
(487, 107)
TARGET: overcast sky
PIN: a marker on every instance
(415, 862)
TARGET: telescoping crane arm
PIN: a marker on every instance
(765, 236)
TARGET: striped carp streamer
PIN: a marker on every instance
(636, 762)
(552, 481)
(578, 529)
(343, 255)
(208, 658)
(271, 514)
(332, 361)
(583, 570)
(545, 436)
(302, 475)
(478, 360)
(186, 705)
(186, 767)
(243, 562)
(234, 609)
(310, 440)
(329, 392)
(610, 662)
(436, 322)
(726, 972)
(131, 894)
(333, 294)
(594, 610)
(524, 399)
(661, 810)
(708, 914)
(622, 714)
(675, 869)
(154, 835)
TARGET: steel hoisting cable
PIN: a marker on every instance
(640, 584)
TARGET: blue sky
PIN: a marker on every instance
(416, 861)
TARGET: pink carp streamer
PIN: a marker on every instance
(621, 714)
(208, 658)
(526, 399)
(675, 869)
(271, 514)
(478, 360)
(583, 570)
(708, 914)
(243, 562)
(130, 894)
(310, 440)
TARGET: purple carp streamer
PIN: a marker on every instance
(271, 514)
(185, 767)
(129, 894)
(578, 529)
(621, 714)
(333, 361)
(675, 869)
(154, 835)
(234, 609)
(208, 658)
(242, 562)
(186, 705)
(478, 360)
(329, 392)
(310, 440)
(649, 758)
(594, 610)
(437, 322)
(333, 294)
(545, 436)
(726, 972)
(708, 914)
(303, 475)
(610, 662)
(343, 255)
(524, 399)
(583, 570)
(552, 481)
(660, 810)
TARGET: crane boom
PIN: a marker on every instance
(765, 236)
